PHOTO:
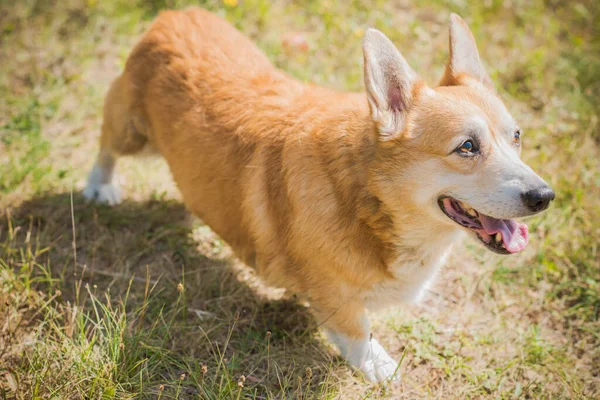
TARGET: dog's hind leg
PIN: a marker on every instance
(100, 185)
(120, 136)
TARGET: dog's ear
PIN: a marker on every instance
(464, 57)
(389, 83)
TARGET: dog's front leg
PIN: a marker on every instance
(348, 328)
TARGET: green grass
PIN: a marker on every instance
(137, 301)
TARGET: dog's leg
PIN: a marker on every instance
(349, 329)
(366, 355)
(122, 134)
(101, 185)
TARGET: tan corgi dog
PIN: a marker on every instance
(353, 199)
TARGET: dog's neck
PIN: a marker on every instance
(402, 231)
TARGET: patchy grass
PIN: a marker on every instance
(138, 301)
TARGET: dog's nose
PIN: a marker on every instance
(538, 199)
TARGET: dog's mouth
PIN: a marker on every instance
(504, 236)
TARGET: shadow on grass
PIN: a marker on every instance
(136, 254)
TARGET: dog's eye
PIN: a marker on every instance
(467, 148)
(517, 136)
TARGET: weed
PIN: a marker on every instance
(129, 303)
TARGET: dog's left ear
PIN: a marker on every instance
(389, 82)
(464, 57)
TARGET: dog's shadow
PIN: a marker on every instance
(197, 307)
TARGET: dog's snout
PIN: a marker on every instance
(538, 199)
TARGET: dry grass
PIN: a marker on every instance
(142, 301)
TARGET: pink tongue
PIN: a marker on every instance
(515, 235)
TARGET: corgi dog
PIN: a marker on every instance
(351, 199)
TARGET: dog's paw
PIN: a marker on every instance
(378, 366)
(107, 193)
(367, 356)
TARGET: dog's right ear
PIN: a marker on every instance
(389, 82)
(464, 57)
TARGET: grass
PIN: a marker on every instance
(140, 301)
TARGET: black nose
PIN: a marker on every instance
(538, 199)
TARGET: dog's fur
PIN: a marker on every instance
(329, 194)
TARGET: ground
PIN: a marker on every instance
(143, 301)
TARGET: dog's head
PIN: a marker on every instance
(450, 154)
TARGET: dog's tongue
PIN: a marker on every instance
(515, 235)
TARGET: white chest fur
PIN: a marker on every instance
(412, 275)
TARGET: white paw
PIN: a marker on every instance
(368, 356)
(100, 186)
(378, 365)
(107, 193)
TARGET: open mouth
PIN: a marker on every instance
(504, 236)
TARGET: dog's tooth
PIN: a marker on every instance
(472, 212)
(498, 237)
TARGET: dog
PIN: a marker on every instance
(352, 199)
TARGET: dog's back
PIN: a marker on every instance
(203, 95)
(181, 91)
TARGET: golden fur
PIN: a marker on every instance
(277, 168)
(298, 179)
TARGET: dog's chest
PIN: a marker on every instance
(412, 276)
